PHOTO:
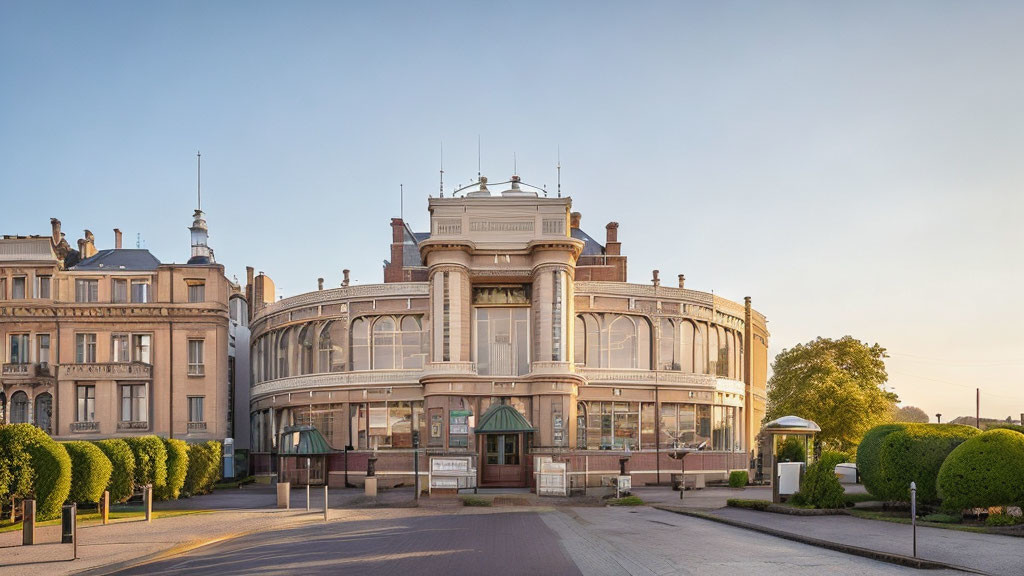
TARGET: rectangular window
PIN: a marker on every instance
(141, 348)
(85, 348)
(19, 349)
(43, 287)
(86, 411)
(557, 327)
(18, 287)
(502, 341)
(44, 349)
(195, 358)
(197, 293)
(119, 348)
(118, 291)
(195, 408)
(140, 291)
(446, 321)
(3, 288)
(87, 290)
(611, 425)
(134, 407)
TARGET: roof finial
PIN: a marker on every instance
(558, 167)
(442, 168)
(515, 165)
(199, 179)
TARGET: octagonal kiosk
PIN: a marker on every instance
(786, 476)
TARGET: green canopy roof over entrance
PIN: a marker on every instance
(303, 440)
(502, 419)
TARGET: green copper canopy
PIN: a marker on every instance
(302, 440)
(502, 419)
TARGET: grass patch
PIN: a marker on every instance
(90, 516)
(851, 499)
(626, 501)
(476, 501)
(904, 518)
(234, 483)
(942, 518)
(761, 505)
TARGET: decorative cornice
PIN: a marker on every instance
(343, 294)
(336, 380)
(108, 311)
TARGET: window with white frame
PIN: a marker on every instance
(44, 348)
(134, 404)
(140, 291)
(85, 348)
(87, 290)
(119, 348)
(141, 346)
(118, 290)
(43, 287)
(86, 409)
(195, 358)
(19, 349)
(195, 408)
(18, 287)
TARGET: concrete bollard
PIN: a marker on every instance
(147, 501)
(284, 492)
(370, 486)
(326, 503)
(28, 519)
(105, 507)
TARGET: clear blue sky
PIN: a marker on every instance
(854, 167)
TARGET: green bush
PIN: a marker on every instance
(177, 468)
(987, 470)
(52, 483)
(869, 455)
(16, 472)
(150, 460)
(90, 472)
(1007, 426)
(821, 487)
(738, 478)
(203, 468)
(1003, 520)
(761, 505)
(915, 454)
(792, 450)
(122, 475)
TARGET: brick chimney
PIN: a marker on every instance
(612, 246)
(319, 283)
(344, 281)
(574, 220)
(249, 287)
(682, 280)
(393, 271)
(117, 239)
(655, 280)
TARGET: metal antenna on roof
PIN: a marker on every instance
(138, 239)
(199, 175)
(442, 169)
(515, 165)
(558, 166)
(478, 157)
(401, 200)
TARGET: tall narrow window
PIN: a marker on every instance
(19, 349)
(119, 348)
(557, 328)
(667, 346)
(44, 349)
(197, 292)
(85, 348)
(446, 321)
(134, 406)
(141, 344)
(384, 336)
(18, 287)
(3, 288)
(140, 291)
(19, 408)
(195, 408)
(44, 411)
(195, 358)
(502, 341)
(306, 352)
(413, 342)
(43, 287)
(86, 410)
(118, 290)
(360, 344)
(87, 290)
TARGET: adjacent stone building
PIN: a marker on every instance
(101, 343)
(506, 306)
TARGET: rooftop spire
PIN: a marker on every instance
(199, 181)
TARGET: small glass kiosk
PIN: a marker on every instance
(781, 429)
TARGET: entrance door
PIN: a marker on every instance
(503, 460)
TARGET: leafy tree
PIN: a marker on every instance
(911, 414)
(836, 383)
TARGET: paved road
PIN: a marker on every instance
(588, 541)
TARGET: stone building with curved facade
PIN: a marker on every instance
(506, 302)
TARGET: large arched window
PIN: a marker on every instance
(588, 341)
(667, 351)
(360, 344)
(700, 355)
(414, 343)
(686, 346)
(283, 348)
(622, 342)
(713, 347)
(19, 408)
(44, 408)
(305, 350)
(723, 352)
(385, 339)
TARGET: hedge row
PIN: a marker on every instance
(90, 472)
(122, 477)
(150, 460)
(177, 467)
(915, 454)
(869, 454)
(203, 468)
(34, 464)
(987, 470)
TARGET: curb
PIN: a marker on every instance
(889, 557)
(179, 549)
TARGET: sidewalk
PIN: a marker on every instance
(985, 553)
(233, 513)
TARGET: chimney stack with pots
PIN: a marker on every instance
(682, 280)
(117, 239)
(574, 220)
(612, 245)
(655, 280)
(319, 283)
(344, 281)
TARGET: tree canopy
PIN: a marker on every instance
(911, 414)
(836, 383)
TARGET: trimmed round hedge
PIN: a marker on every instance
(150, 460)
(90, 471)
(122, 475)
(869, 455)
(915, 454)
(204, 461)
(738, 478)
(986, 470)
(16, 472)
(52, 482)
(177, 468)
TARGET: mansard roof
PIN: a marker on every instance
(591, 247)
(120, 259)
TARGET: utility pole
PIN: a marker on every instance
(977, 408)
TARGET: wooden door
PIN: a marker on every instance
(503, 460)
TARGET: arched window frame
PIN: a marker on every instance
(359, 343)
(42, 416)
(20, 407)
(305, 351)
